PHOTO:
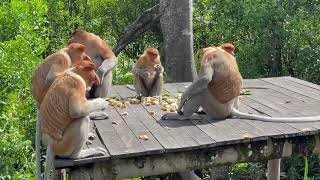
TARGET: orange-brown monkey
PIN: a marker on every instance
(218, 88)
(103, 58)
(54, 64)
(45, 74)
(148, 73)
(64, 114)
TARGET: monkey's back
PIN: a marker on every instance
(38, 85)
(227, 80)
(54, 110)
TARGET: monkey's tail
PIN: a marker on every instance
(242, 115)
(37, 143)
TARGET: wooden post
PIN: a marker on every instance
(273, 169)
(176, 26)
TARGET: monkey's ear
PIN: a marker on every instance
(229, 48)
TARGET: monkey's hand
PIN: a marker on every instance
(158, 68)
(97, 104)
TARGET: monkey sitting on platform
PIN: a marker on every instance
(217, 90)
(148, 74)
(102, 56)
(64, 114)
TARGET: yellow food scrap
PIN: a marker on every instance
(246, 135)
(306, 129)
(144, 137)
(152, 113)
(115, 122)
(124, 113)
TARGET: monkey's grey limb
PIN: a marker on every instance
(157, 87)
(98, 115)
(139, 71)
(189, 108)
(49, 160)
(140, 87)
(91, 152)
(104, 72)
(37, 143)
(103, 89)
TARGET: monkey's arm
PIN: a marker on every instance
(139, 72)
(54, 71)
(79, 107)
(106, 66)
(158, 82)
(197, 86)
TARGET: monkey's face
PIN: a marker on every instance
(86, 70)
(153, 55)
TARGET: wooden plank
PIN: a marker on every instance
(151, 145)
(175, 130)
(161, 134)
(263, 84)
(306, 83)
(293, 86)
(96, 142)
(110, 137)
(264, 129)
(268, 97)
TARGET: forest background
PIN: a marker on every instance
(273, 38)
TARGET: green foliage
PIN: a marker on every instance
(273, 38)
(23, 39)
(248, 171)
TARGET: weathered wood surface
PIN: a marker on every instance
(283, 96)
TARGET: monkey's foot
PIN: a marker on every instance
(98, 115)
(175, 116)
(91, 152)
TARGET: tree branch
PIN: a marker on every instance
(139, 26)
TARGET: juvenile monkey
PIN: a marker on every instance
(45, 74)
(217, 90)
(102, 56)
(64, 114)
(148, 73)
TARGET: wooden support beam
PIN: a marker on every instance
(201, 158)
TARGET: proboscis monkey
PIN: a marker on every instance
(103, 58)
(217, 90)
(148, 73)
(45, 74)
(64, 114)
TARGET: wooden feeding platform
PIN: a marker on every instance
(139, 143)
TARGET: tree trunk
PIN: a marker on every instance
(176, 26)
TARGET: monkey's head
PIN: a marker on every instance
(152, 56)
(86, 70)
(77, 53)
(218, 54)
(78, 36)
